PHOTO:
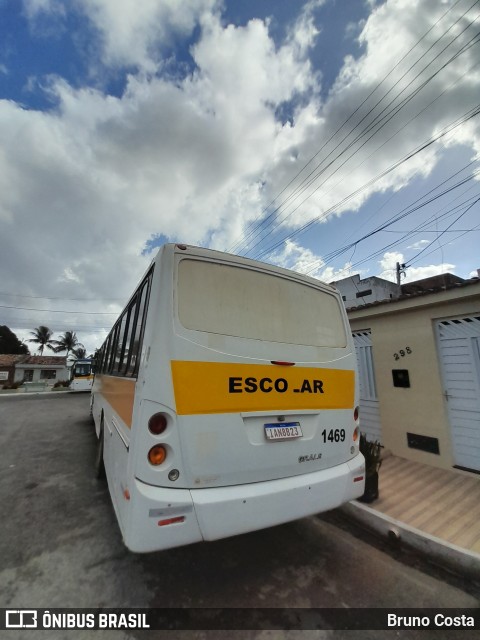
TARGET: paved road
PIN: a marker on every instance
(60, 545)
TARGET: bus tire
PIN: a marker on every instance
(99, 466)
(92, 400)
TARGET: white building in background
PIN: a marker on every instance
(356, 292)
(27, 368)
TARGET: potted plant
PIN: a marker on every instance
(371, 451)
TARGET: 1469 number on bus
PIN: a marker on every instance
(333, 435)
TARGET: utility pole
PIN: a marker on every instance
(400, 270)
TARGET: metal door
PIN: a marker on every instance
(459, 347)
(369, 405)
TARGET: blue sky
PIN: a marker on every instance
(286, 131)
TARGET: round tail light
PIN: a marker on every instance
(157, 455)
(356, 413)
(157, 424)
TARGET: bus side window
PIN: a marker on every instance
(112, 349)
(137, 334)
(106, 355)
(127, 352)
(120, 344)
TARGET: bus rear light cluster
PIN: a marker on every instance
(157, 455)
(157, 424)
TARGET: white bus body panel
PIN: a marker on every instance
(212, 514)
(81, 384)
(232, 479)
(226, 449)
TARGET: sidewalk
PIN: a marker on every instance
(436, 511)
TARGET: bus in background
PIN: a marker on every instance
(225, 400)
(81, 375)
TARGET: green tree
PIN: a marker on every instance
(42, 336)
(9, 343)
(68, 342)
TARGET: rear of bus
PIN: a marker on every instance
(245, 413)
(81, 376)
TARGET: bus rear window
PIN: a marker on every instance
(244, 303)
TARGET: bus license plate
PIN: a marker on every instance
(283, 431)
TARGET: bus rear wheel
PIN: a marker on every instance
(99, 466)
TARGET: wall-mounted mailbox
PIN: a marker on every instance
(401, 378)
(423, 443)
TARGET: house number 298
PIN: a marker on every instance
(402, 353)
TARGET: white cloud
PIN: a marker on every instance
(390, 31)
(133, 32)
(86, 185)
(33, 8)
(297, 258)
(197, 158)
(303, 260)
(421, 244)
(388, 265)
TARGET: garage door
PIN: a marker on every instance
(459, 346)
(369, 409)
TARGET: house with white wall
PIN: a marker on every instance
(356, 292)
(419, 372)
(26, 368)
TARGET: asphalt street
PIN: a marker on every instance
(60, 546)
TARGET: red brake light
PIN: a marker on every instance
(282, 363)
(167, 521)
(356, 414)
(157, 424)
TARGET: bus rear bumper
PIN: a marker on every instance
(177, 517)
(228, 511)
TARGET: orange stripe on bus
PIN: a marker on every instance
(119, 393)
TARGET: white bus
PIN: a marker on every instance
(225, 401)
(81, 375)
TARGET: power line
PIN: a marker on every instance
(406, 211)
(254, 227)
(24, 325)
(91, 313)
(325, 213)
(470, 114)
(413, 207)
(21, 295)
(376, 121)
(379, 252)
(449, 227)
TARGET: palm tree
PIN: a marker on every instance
(80, 353)
(43, 337)
(68, 342)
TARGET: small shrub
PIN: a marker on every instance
(372, 452)
(61, 383)
(12, 385)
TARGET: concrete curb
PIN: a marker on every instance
(455, 558)
(30, 394)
